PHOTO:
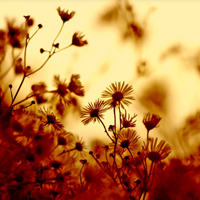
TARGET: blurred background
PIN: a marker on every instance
(152, 45)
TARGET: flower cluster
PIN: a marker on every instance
(124, 161)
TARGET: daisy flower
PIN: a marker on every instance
(151, 121)
(77, 39)
(65, 15)
(127, 121)
(157, 152)
(127, 139)
(50, 119)
(118, 93)
(93, 112)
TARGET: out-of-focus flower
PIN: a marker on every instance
(62, 90)
(77, 39)
(117, 94)
(75, 85)
(127, 139)
(127, 121)
(16, 34)
(2, 43)
(65, 15)
(151, 121)
(93, 112)
(50, 119)
(157, 152)
(18, 66)
(39, 91)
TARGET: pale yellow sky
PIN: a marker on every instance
(172, 22)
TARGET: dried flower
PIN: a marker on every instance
(127, 138)
(118, 94)
(151, 121)
(75, 85)
(157, 152)
(127, 121)
(77, 39)
(64, 15)
(93, 112)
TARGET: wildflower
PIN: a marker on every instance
(64, 15)
(127, 121)
(62, 89)
(93, 112)
(157, 152)
(50, 119)
(75, 85)
(151, 121)
(118, 94)
(15, 34)
(127, 138)
(77, 40)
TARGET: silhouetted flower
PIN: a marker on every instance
(118, 93)
(127, 139)
(93, 112)
(151, 121)
(75, 85)
(64, 15)
(77, 39)
(127, 121)
(157, 152)
(50, 119)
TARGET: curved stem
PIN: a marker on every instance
(23, 100)
(41, 65)
(105, 128)
(135, 164)
(57, 36)
(63, 48)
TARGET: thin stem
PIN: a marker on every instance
(114, 117)
(119, 116)
(57, 36)
(105, 128)
(25, 48)
(80, 176)
(104, 169)
(24, 76)
(135, 163)
(32, 35)
(65, 152)
(23, 100)
(41, 65)
(63, 48)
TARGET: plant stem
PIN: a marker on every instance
(105, 128)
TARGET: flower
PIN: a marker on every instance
(64, 15)
(151, 121)
(62, 90)
(77, 40)
(16, 34)
(127, 139)
(93, 112)
(157, 152)
(127, 121)
(118, 94)
(75, 85)
(50, 119)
